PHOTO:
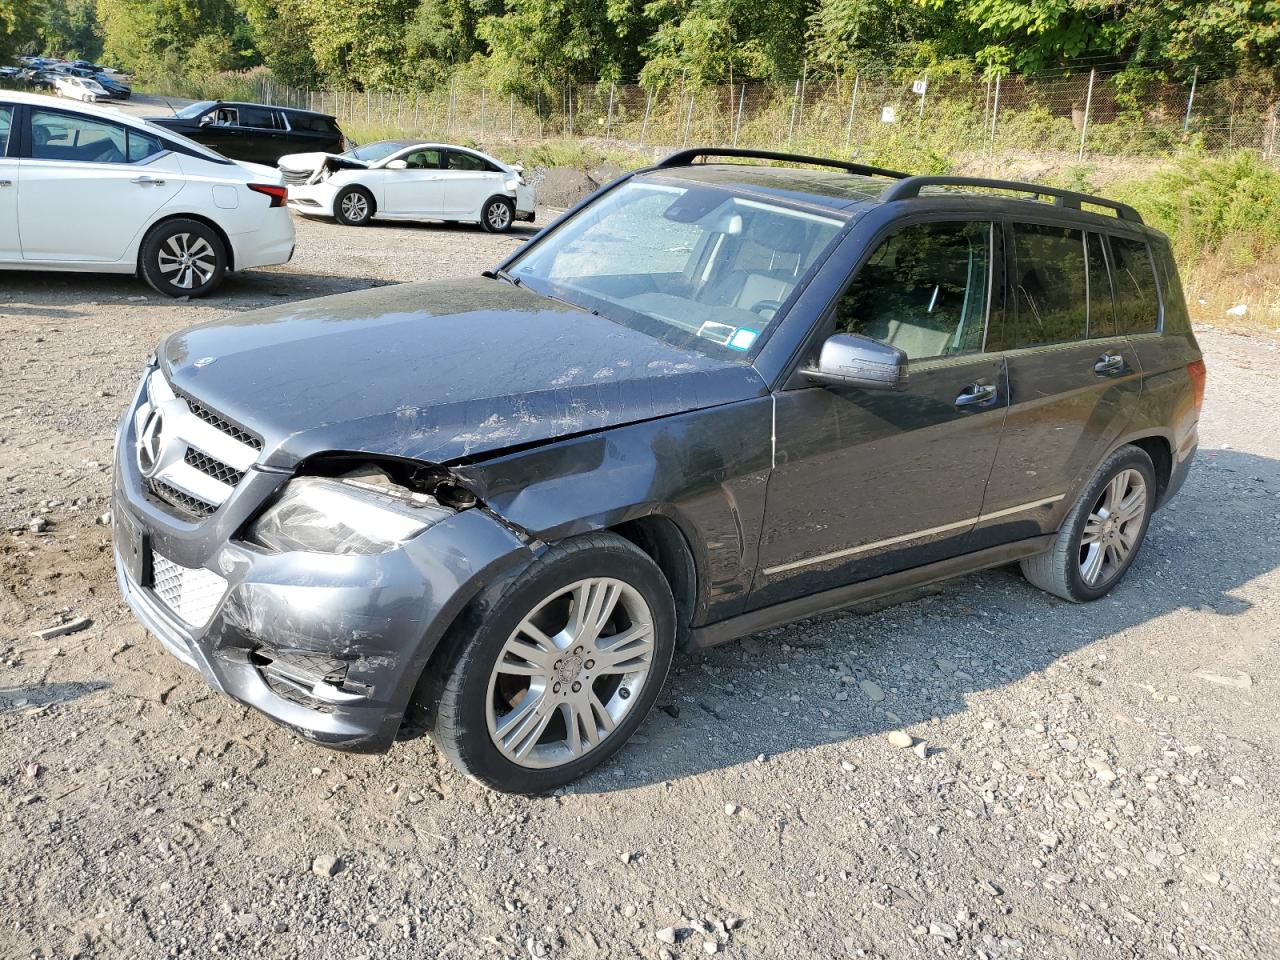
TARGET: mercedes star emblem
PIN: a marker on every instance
(151, 443)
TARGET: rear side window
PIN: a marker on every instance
(1102, 314)
(924, 290)
(468, 161)
(1175, 303)
(76, 138)
(257, 117)
(1137, 300)
(6, 124)
(312, 124)
(1049, 284)
(143, 146)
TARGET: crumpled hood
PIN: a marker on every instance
(437, 372)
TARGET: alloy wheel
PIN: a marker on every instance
(1112, 527)
(498, 215)
(187, 260)
(355, 206)
(570, 672)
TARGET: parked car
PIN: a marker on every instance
(79, 88)
(712, 398)
(94, 190)
(254, 132)
(409, 180)
(115, 89)
(38, 79)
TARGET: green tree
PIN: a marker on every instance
(19, 27)
(359, 45)
(280, 32)
(151, 37)
(713, 41)
(70, 28)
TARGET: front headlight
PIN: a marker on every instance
(323, 515)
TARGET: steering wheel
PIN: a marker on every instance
(760, 306)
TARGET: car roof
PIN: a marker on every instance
(838, 191)
(70, 106)
(272, 106)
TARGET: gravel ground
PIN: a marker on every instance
(1085, 781)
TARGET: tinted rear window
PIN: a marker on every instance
(1102, 314)
(312, 124)
(1049, 284)
(1137, 300)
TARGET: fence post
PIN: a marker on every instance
(853, 105)
(925, 94)
(608, 126)
(737, 123)
(511, 117)
(688, 123)
(995, 115)
(1191, 98)
(795, 102)
(484, 103)
(648, 105)
(804, 79)
(1272, 129)
(1088, 105)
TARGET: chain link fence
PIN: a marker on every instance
(876, 113)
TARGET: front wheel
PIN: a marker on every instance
(183, 258)
(561, 670)
(498, 215)
(1102, 534)
(353, 206)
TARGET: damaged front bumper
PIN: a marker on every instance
(331, 646)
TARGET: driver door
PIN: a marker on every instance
(869, 482)
(418, 189)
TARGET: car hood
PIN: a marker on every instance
(437, 372)
(302, 161)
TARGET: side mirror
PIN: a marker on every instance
(852, 360)
(398, 165)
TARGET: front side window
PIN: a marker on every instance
(1049, 288)
(1137, 303)
(467, 161)
(65, 136)
(924, 290)
(699, 267)
(423, 160)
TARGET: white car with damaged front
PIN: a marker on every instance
(80, 88)
(409, 180)
(94, 190)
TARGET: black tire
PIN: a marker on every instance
(466, 690)
(162, 264)
(1060, 570)
(497, 215)
(353, 207)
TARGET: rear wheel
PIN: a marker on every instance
(562, 669)
(183, 258)
(498, 215)
(1102, 534)
(353, 206)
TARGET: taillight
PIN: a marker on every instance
(278, 194)
(1196, 370)
(342, 143)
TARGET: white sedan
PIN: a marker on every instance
(409, 180)
(90, 189)
(80, 88)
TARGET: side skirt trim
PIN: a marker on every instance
(802, 607)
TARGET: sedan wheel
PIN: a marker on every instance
(550, 680)
(569, 673)
(353, 206)
(183, 258)
(498, 215)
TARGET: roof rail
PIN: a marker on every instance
(911, 186)
(684, 158)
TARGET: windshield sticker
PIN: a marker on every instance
(719, 332)
(743, 338)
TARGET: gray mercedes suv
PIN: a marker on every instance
(714, 397)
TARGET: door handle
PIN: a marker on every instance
(976, 394)
(147, 181)
(1108, 364)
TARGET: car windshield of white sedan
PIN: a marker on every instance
(373, 152)
(698, 267)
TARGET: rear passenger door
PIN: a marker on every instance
(869, 482)
(9, 247)
(1074, 379)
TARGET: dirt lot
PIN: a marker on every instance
(1088, 782)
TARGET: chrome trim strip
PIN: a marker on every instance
(917, 535)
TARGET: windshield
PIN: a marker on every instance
(195, 110)
(698, 267)
(373, 152)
